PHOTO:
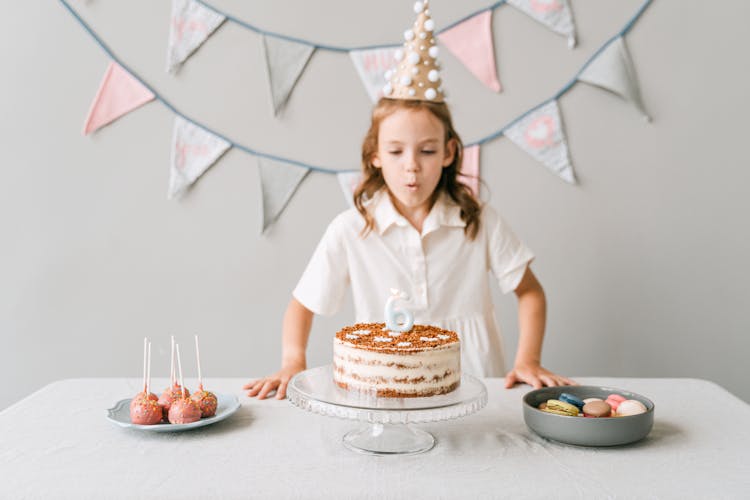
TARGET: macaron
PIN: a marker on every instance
(571, 399)
(561, 408)
(543, 405)
(588, 400)
(630, 407)
(597, 409)
(614, 400)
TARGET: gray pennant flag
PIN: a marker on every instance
(613, 70)
(278, 181)
(285, 61)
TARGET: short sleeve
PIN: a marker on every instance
(324, 282)
(508, 256)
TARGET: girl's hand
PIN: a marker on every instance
(276, 382)
(536, 376)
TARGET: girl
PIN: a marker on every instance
(416, 228)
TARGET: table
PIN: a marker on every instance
(57, 443)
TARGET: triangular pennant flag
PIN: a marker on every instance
(194, 150)
(285, 61)
(613, 70)
(555, 14)
(349, 182)
(540, 134)
(371, 65)
(191, 25)
(278, 181)
(118, 94)
(471, 42)
(469, 173)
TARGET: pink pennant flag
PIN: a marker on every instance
(471, 42)
(469, 173)
(118, 94)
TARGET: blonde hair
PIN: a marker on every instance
(373, 179)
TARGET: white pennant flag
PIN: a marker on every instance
(194, 150)
(613, 70)
(278, 182)
(349, 182)
(555, 14)
(540, 134)
(191, 25)
(285, 61)
(371, 65)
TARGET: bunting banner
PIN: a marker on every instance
(279, 181)
(191, 25)
(119, 93)
(349, 182)
(194, 150)
(541, 135)
(371, 65)
(285, 61)
(469, 173)
(471, 41)
(555, 14)
(613, 70)
(195, 147)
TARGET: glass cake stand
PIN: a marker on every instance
(385, 428)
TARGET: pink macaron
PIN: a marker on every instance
(614, 400)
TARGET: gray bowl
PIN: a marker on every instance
(586, 431)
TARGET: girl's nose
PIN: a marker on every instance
(412, 164)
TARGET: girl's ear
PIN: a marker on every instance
(450, 152)
(375, 160)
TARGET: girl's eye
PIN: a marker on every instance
(395, 152)
(427, 152)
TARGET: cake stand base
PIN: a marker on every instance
(388, 439)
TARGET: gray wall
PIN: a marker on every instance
(644, 263)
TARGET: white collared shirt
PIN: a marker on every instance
(444, 272)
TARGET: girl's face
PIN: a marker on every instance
(412, 154)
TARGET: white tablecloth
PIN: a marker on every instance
(57, 443)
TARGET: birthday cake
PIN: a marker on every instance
(423, 361)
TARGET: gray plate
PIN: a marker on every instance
(587, 431)
(120, 415)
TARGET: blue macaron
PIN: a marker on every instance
(571, 399)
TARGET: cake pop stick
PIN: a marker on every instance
(145, 343)
(171, 366)
(148, 371)
(179, 367)
(198, 360)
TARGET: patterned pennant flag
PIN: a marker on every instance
(371, 65)
(555, 14)
(349, 182)
(119, 93)
(471, 42)
(192, 24)
(285, 61)
(540, 134)
(194, 150)
(613, 70)
(279, 181)
(469, 173)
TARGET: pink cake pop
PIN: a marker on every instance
(183, 410)
(174, 390)
(206, 400)
(144, 409)
(145, 394)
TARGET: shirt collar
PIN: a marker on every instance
(443, 213)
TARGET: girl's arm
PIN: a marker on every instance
(295, 331)
(532, 316)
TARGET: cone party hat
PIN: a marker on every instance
(416, 75)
